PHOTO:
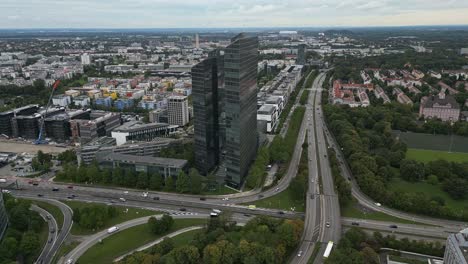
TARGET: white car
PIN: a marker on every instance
(225, 199)
(327, 224)
(145, 194)
(378, 204)
(6, 191)
(277, 189)
(69, 261)
(125, 192)
(299, 253)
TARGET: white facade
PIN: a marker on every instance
(178, 110)
(61, 100)
(82, 101)
(85, 59)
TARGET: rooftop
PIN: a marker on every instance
(132, 159)
(138, 125)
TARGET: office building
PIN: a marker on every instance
(240, 107)
(456, 248)
(206, 114)
(178, 110)
(158, 116)
(3, 217)
(6, 126)
(101, 124)
(57, 127)
(301, 55)
(151, 165)
(139, 131)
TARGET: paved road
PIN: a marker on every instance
(52, 238)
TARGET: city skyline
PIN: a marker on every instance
(179, 14)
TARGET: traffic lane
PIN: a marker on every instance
(52, 232)
(65, 229)
(161, 204)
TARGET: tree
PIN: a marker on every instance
(183, 183)
(412, 170)
(142, 181)
(29, 243)
(196, 181)
(169, 185)
(184, 254)
(156, 182)
(8, 248)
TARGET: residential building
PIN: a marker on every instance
(240, 107)
(380, 94)
(268, 113)
(178, 110)
(442, 106)
(82, 101)
(206, 114)
(122, 104)
(139, 131)
(402, 98)
(85, 59)
(151, 165)
(103, 101)
(61, 100)
(3, 217)
(456, 248)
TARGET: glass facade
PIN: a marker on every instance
(206, 114)
(240, 107)
(3, 217)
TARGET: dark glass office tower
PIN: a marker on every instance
(240, 106)
(301, 54)
(206, 114)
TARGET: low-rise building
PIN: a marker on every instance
(268, 113)
(82, 101)
(456, 248)
(442, 106)
(401, 97)
(139, 131)
(103, 101)
(61, 100)
(122, 104)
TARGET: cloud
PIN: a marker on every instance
(226, 13)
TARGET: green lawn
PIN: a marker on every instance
(353, 211)
(406, 260)
(431, 190)
(282, 200)
(185, 238)
(123, 216)
(129, 239)
(429, 155)
(53, 210)
(220, 191)
(65, 249)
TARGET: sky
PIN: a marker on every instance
(229, 13)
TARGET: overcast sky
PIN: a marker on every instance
(228, 13)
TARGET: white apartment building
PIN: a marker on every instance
(178, 110)
(85, 59)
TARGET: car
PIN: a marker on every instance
(35, 184)
(70, 197)
(30, 182)
(40, 195)
(393, 226)
(327, 224)
(260, 196)
(125, 192)
(55, 189)
(378, 204)
(69, 261)
(156, 198)
(246, 215)
(202, 199)
(312, 196)
(325, 156)
(281, 212)
(277, 189)
(299, 253)
(225, 199)
(48, 217)
(52, 230)
(70, 187)
(182, 209)
(6, 191)
(144, 194)
(355, 223)
(122, 199)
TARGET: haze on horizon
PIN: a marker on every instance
(224, 13)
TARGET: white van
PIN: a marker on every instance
(122, 199)
(112, 230)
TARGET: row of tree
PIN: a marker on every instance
(358, 247)
(21, 241)
(261, 240)
(184, 183)
(160, 226)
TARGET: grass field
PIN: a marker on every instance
(220, 191)
(282, 200)
(406, 260)
(64, 249)
(129, 239)
(430, 155)
(446, 143)
(431, 190)
(185, 238)
(123, 215)
(53, 210)
(352, 210)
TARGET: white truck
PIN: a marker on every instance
(216, 211)
(2, 180)
(112, 230)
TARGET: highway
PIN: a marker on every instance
(52, 237)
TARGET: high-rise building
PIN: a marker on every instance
(3, 217)
(206, 113)
(85, 59)
(301, 54)
(178, 110)
(197, 41)
(240, 107)
(456, 248)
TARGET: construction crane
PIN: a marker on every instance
(39, 139)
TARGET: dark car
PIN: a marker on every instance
(52, 230)
(202, 199)
(355, 223)
(55, 189)
(312, 196)
(281, 212)
(35, 184)
(182, 209)
(70, 187)
(156, 198)
(393, 226)
(40, 195)
(70, 197)
(260, 196)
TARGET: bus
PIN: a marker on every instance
(328, 249)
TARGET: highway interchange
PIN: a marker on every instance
(322, 220)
